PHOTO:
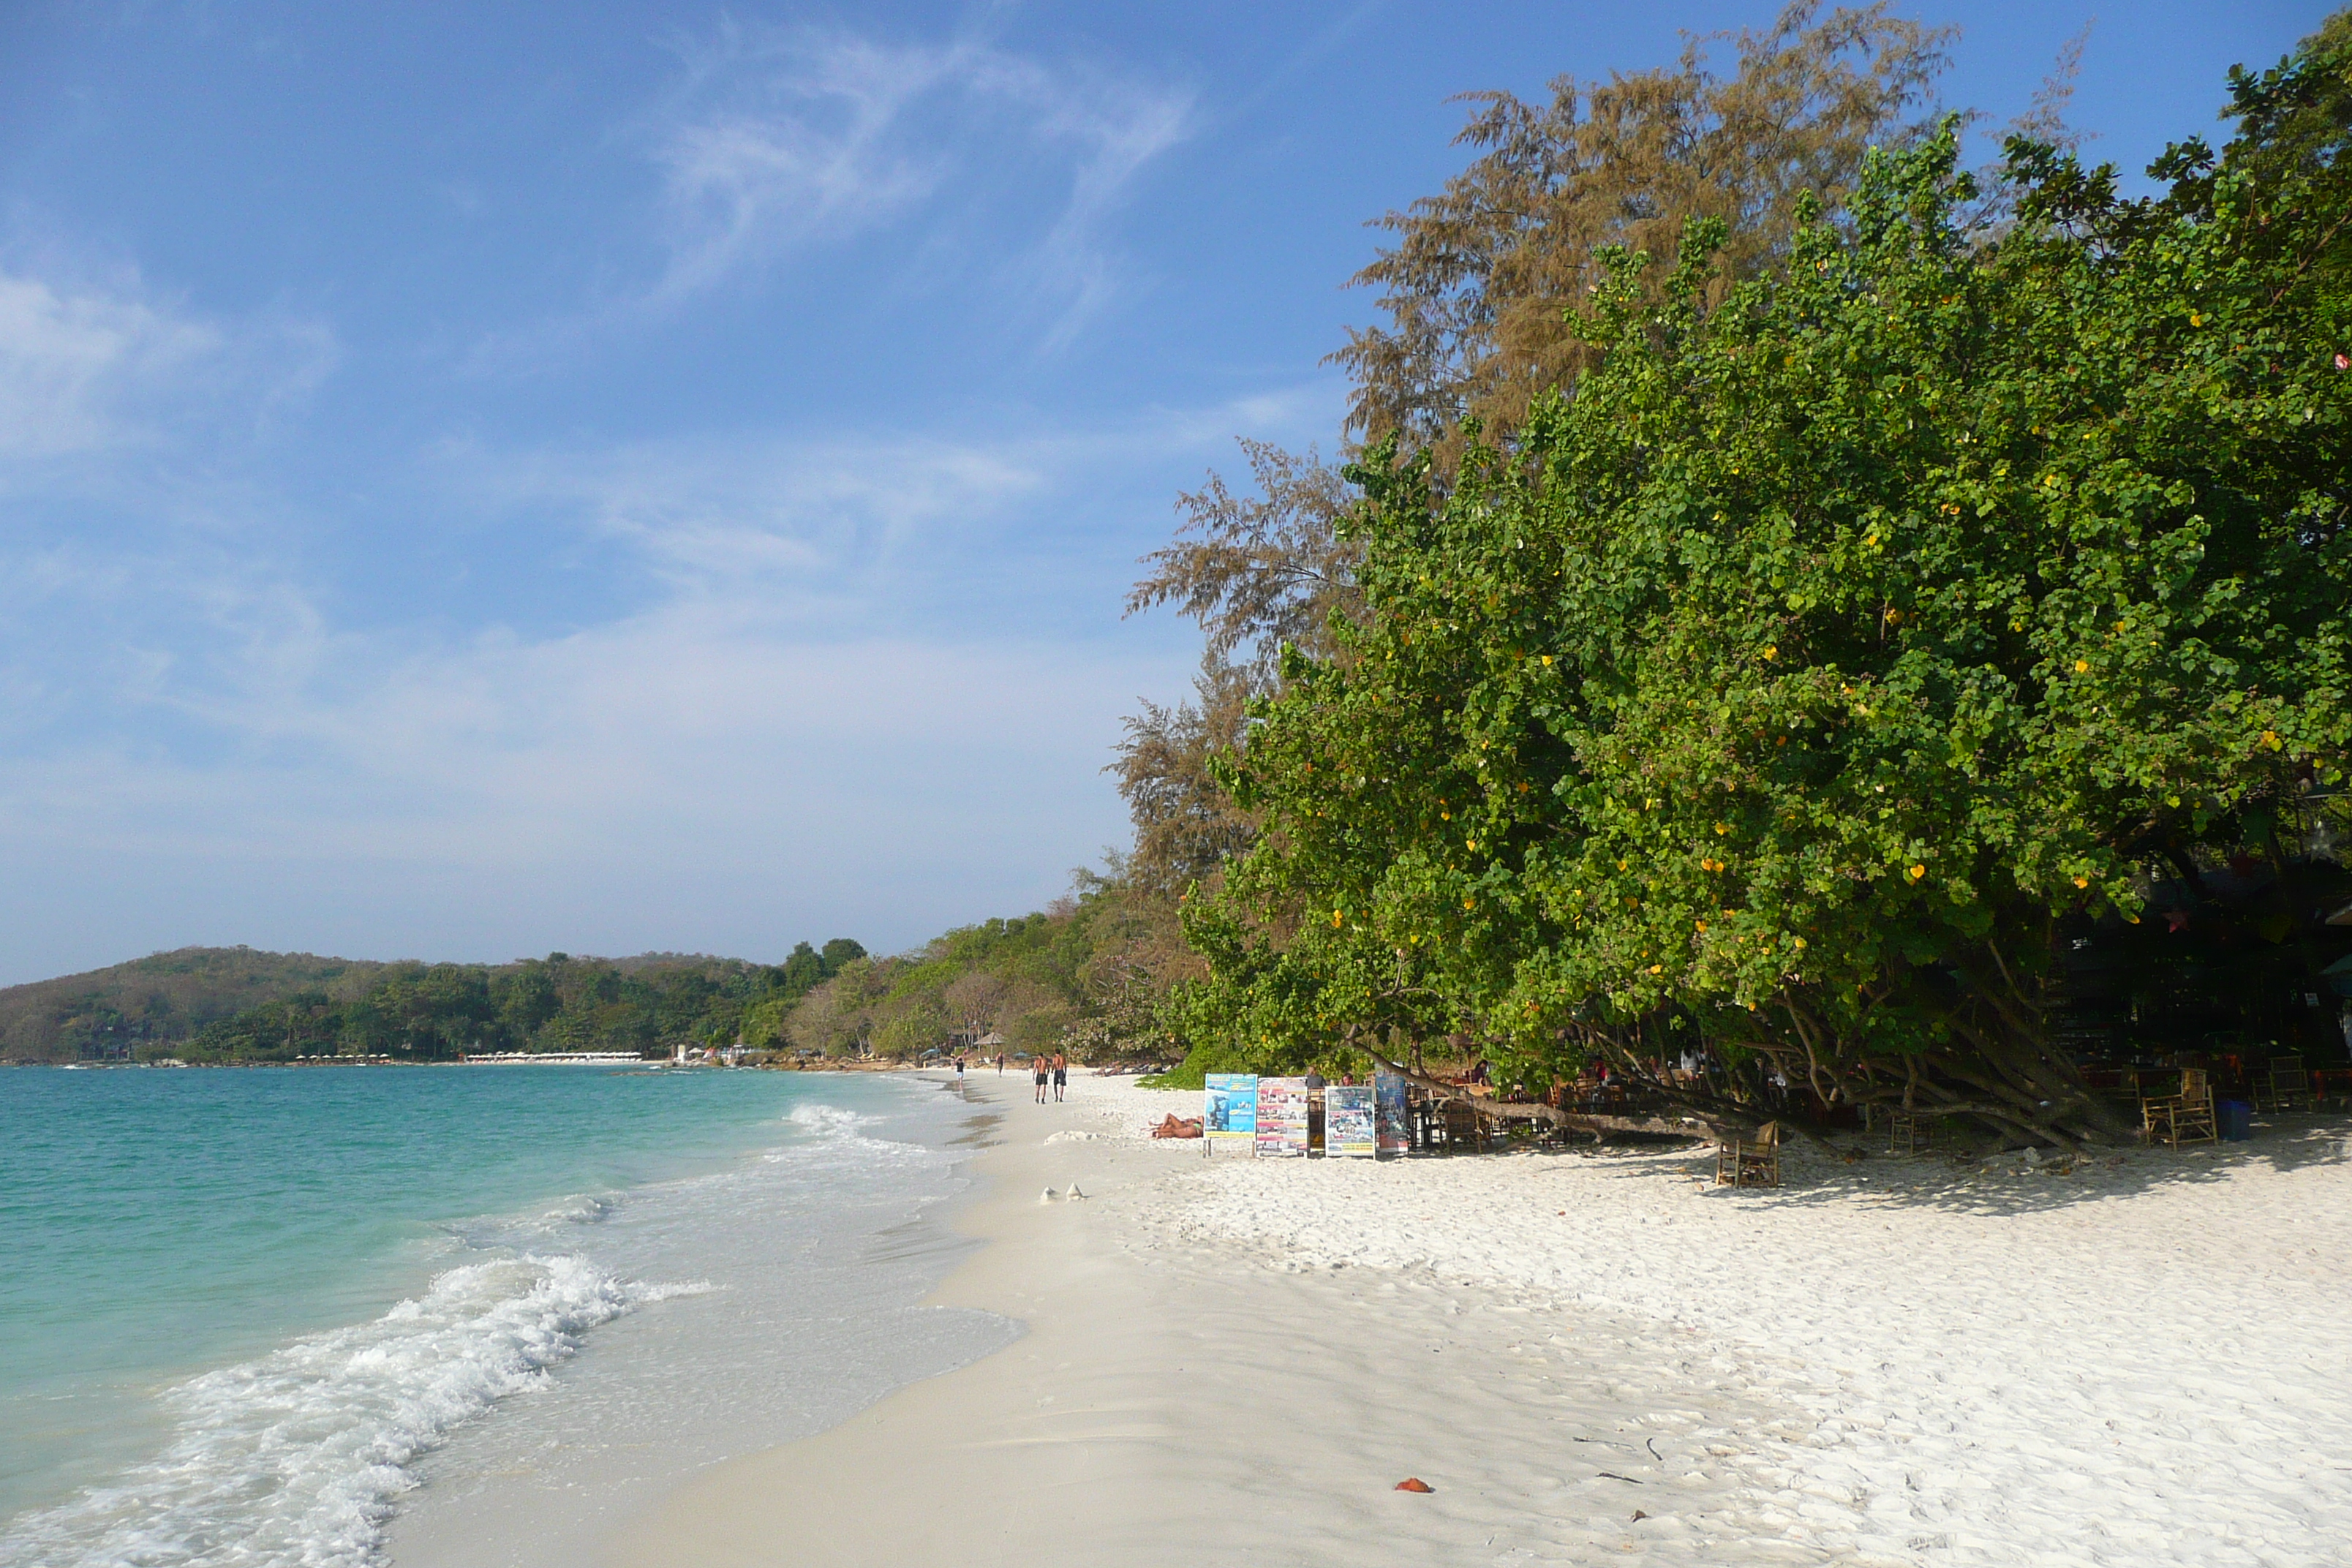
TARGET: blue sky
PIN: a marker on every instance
(479, 480)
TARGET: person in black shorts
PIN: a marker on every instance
(1038, 1070)
(1061, 1074)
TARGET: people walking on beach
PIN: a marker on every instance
(1061, 1075)
(1000, 1063)
(1037, 1071)
(959, 1072)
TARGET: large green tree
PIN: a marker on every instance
(1846, 634)
(1473, 292)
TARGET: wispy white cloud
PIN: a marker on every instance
(700, 773)
(803, 703)
(842, 529)
(780, 141)
(820, 675)
(498, 751)
(710, 511)
(1119, 132)
(87, 366)
(775, 142)
(72, 362)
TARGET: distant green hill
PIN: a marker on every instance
(233, 1004)
(160, 1000)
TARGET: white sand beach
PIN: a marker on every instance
(1597, 1356)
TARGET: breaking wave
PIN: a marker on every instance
(296, 1458)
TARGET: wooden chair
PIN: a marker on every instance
(2194, 1122)
(2183, 1118)
(2285, 1086)
(1749, 1162)
(1907, 1133)
(1462, 1127)
(2156, 1115)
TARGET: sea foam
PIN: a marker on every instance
(805, 1238)
(296, 1458)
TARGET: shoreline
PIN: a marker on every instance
(1595, 1355)
(791, 1284)
(300, 1319)
(1173, 1403)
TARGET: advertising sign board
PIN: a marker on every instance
(1394, 1117)
(1229, 1106)
(1282, 1118)
(1348, 1122)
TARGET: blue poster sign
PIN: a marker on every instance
(1229, 1108)
(1393, 1115)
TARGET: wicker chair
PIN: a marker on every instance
(1459, 1121)
(1749, 1162)
(2183, 1118)
(2285, 1086)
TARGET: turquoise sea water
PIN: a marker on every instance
(237, 1307)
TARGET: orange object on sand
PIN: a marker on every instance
(1414, 1484)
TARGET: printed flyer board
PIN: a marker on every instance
(1394, 1120)
(1229, 1108)
(1348, 1122)
(1282, 1118)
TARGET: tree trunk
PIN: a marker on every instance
(1487, 1110)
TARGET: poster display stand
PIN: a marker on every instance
(1393, 1116)
(1282, 1118)
(1348, 1122)
(1229, 1109)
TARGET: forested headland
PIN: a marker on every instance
(1793, 614)
(155, 1001)
(1074, 977)
(210, 1004)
